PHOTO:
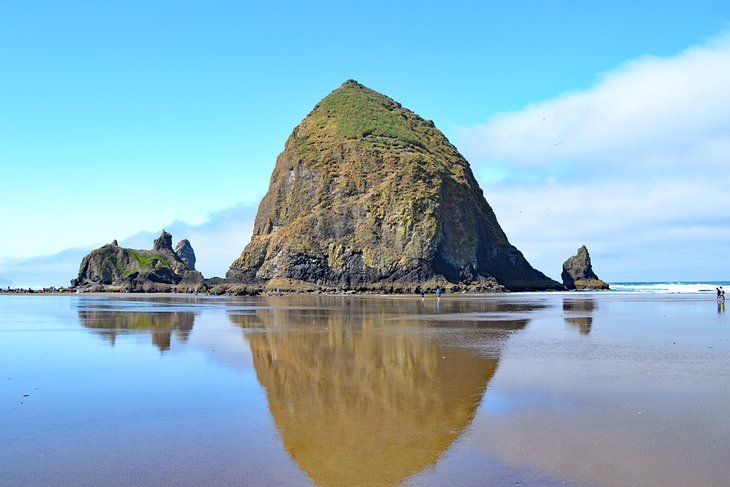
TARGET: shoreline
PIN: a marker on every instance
(703, 287)
(430, 295)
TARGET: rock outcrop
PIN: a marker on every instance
(112, 267)
(578, 272)
(367, 195)
(163, 243)
(185, 251)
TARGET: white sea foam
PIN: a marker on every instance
(669, 287)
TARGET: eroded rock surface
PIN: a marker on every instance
(578, 272)
(185, 251)
(112, 267)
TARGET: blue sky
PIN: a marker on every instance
(120, 118)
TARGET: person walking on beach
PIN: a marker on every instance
(720, 293)
(438, 294)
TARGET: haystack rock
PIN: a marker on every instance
(112, 267)
(578, 272)
(367, 195)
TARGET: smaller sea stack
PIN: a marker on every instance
(185, 251)
(115, 268)
(578, 272)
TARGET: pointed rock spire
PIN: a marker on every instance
(578, 272)
(185, 251)
(163, 242)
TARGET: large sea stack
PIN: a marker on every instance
(367, 195)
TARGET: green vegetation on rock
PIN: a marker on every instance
(147, 259)
(111, 267)
(365, 114)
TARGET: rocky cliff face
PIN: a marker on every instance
(578, 272)
(185, 251)
(114, 267)
(368, 195)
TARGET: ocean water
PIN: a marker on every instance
(542, 389)
(669, 287)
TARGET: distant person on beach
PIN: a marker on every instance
(720, 293)
(438, 293)
(423, 295)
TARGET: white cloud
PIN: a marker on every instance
(636, 167)
(656, 110)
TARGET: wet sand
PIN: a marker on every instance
(589, 389)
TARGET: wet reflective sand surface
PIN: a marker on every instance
(596, 389)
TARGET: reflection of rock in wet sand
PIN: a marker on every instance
(112, 322)
(578, 312)
(361, 397)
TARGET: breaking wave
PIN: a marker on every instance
(679, 287)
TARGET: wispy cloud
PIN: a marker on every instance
(217, 242)
(660, 112)
(44, 270)
(636, 167)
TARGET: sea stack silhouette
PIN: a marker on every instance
(369, 196)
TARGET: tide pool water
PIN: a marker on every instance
(582, 389)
